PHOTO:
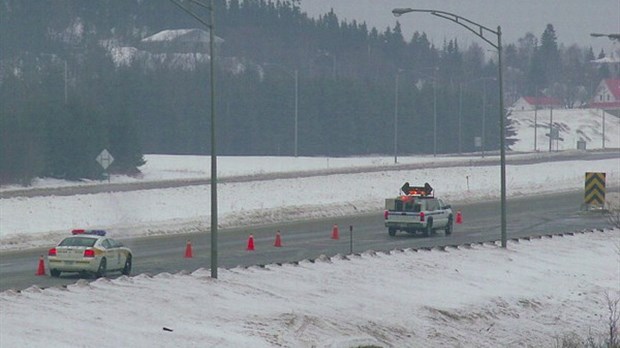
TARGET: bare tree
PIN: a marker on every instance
(614, 316)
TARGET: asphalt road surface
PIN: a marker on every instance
(533, 216)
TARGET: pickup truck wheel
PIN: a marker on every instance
(392, 232)
(449, 226)
(429, 229)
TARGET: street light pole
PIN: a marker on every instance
(434, 78)
(396, 93)
(396, 118)
(480, 31)
(296, 108)
(484, 103)
(211, 26)
(66, 84)
(66, 74)
(213, 152)
(535, 126)
(550, 128)
(435, 113)
(603, 112)
(484, 112)
(460, 112)
(295, 75)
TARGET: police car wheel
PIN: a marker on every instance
(127, 269)
(55, 273)
(101, 271)
(392, 232)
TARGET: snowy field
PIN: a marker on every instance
(530, 294)
(573, 125)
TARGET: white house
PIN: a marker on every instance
(607, 95)
(532, 103)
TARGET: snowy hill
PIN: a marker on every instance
(573, 124)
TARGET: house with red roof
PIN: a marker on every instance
(607, 95)
(533, 103)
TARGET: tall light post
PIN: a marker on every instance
(211, 26)
(434, 78)
(535, 126)
(435, 113)
(551, 133)
(66, 73)
(484, 115)
(484, 103)
(325, 53)
(396, 96)
(480, 31)
(396, 118)
(460, 114)
(603, 135)
(295, 75)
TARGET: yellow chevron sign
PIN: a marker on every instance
(595, 189)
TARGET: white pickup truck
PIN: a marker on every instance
(417, 210)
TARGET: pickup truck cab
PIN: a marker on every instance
(417, 210)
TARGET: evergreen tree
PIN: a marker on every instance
(549, 56)
(346, 74)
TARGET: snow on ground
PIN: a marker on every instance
(478, 296)
(573, 124)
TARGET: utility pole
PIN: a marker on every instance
(550, 128)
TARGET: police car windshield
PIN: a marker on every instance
(78, 242)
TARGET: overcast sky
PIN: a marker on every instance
(573, 20)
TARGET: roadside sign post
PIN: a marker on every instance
(478, 144)
(105, 159)
(554, 134)
(350, 239)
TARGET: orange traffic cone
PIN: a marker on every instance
(459, 217)
(250, 243)
(41, 269)
(278, 242)
(188, 250)
(335, 232)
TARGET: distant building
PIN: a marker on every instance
(611, 61)
(607, 95)
(532, 103)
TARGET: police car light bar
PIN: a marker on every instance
(92, 232)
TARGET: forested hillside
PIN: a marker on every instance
(66, 93)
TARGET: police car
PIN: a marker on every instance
(89, 251)
(417, 209)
